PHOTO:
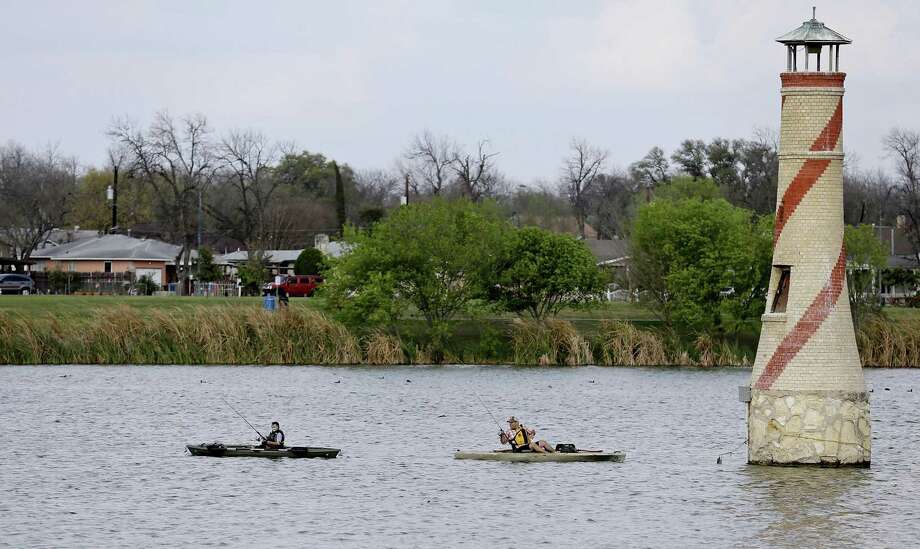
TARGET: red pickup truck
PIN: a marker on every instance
(294, 286)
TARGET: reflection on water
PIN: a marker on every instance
(95, 456)
(808, 507)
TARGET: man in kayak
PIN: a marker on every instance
(521, 439)
(275, 439)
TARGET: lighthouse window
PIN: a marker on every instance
(782, 291)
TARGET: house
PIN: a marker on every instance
(613, 257)
(902, 256)
(111, 253)
(278, 262)
(9, 254)
(334, 249)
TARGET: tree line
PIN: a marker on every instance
(178, 177)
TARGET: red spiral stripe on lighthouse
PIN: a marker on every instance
(826, 300)
(806, 327)
(827, 141)
(803, 181)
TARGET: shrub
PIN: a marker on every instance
(310, 262)
(540, 272)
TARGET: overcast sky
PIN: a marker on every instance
(356, 79)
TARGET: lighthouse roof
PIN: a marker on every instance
(813, 32)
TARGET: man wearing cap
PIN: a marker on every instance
(521, 439)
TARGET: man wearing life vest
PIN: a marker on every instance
(275, 439)
(521, 439)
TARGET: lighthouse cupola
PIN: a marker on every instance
(813, 46)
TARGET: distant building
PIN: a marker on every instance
(901, 255)
(278, 262)
(112, 253)
(334, 249)
(613, 256)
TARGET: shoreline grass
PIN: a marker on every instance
(156, 330)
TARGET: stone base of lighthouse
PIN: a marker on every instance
(824, 428)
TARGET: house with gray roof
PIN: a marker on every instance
(112, 253)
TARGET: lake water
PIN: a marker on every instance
(95, 456)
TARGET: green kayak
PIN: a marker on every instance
(533, 457)
(240, 450)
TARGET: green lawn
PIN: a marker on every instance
(65, 305)
(902, 313)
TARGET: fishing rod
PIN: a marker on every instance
(243, 418)
(500, 429)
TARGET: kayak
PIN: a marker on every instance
(534, 457)
(240, 450)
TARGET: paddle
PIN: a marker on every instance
(243, 418)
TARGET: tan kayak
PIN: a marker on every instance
(533, 457)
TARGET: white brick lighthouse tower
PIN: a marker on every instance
(808, 401)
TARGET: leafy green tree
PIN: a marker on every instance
(310, 262)
(684, 187)
(540, 272)
(90, 209)
(867, 258)
(701, 262)
(312, 172)
(428, 256)
(253, 273)
(904, 278)
(691, 158)
(206, 269)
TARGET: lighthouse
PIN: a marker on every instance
(807, 402)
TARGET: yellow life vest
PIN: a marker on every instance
(521, 438)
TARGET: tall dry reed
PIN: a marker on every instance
(887, 344)
(381, 348)
(549, 342)
(621, 343)
(204, 335)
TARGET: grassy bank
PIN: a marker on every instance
(137, 330)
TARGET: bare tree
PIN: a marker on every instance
(175, 157)
(428, 161)
(477, 176)
(904, 147)
(245, 172)
(611, 200)
(373, 192)
(35, 191)
(867, 196)
(579, 173)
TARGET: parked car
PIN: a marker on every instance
(16, 284)
(295, 286)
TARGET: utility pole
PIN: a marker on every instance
(114, 197)
(198, 239)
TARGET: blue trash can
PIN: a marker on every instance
(268, 302)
